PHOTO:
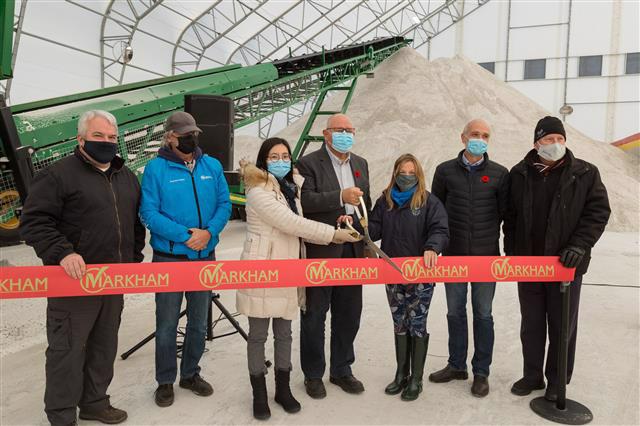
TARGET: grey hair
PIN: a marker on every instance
(164, 143)
(86, 117)
(465, 131)
(333, 117)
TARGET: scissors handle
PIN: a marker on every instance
(364, 209)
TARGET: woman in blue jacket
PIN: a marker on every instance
(411, 222)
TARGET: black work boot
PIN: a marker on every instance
(109, 415)
(164, 395)
(480, 387)
(403, 361)
(260, 404)
(551, 394)
(197, 385)
(525, 386)
(448, 374)
(283, 392)
(419, 346)
(315, 388)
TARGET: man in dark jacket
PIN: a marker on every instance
(82, 210)
(474, 191)
(558, 207)
(335, 178)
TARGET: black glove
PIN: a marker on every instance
(571, 256)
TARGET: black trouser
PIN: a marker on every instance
(346, 306)
(541, 309)
(82, 333)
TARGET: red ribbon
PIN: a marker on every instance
(125, 278)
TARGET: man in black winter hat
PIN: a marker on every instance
(558, 207)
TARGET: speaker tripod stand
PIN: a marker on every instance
(215, 299)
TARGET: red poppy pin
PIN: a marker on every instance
(357, 173)
(485, 178)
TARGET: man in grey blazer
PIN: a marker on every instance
(335, 178)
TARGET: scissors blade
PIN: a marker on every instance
(380, 253)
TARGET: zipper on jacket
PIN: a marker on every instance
(470, 176)
(195, 193)
(171, 243)
(115, 205)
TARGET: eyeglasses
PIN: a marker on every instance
(276, 157)
(343, 129)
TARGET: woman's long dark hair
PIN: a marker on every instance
(266, 146)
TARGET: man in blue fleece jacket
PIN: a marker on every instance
(185, 204)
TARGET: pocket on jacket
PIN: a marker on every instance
(257, 247)
(58, 330)
(250, 249)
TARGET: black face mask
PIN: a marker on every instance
(406, 182)
(187, 144)
(102, 152)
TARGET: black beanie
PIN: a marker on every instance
(547, 126)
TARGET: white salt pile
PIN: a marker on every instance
(421, 107)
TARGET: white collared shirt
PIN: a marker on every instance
(344, 175)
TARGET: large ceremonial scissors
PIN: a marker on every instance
(363, 217)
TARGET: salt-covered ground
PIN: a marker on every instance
(605, 378)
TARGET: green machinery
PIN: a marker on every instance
(35, 134)
(6, 38)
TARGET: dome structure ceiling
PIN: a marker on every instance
(141, 39)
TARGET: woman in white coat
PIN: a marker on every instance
(275, 227)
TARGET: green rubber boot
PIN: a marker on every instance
(419, 346)
(403, 356)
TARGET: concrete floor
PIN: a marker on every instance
(606, 376)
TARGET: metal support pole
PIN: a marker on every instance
(563, 410)
(506, 54)
(566, 61)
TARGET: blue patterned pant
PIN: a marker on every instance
(409, 305)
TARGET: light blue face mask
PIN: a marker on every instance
(342, 141)
(476, 147)
(279, 168)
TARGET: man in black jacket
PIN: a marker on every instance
(82, 210)
(558, 207)
(474, 191)
(335, 178)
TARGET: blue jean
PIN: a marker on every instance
(167, 317)
(483, 334)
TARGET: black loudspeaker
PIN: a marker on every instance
(214, 115)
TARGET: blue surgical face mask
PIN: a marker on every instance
(279, 168)
(476, 147)
(342, 141)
